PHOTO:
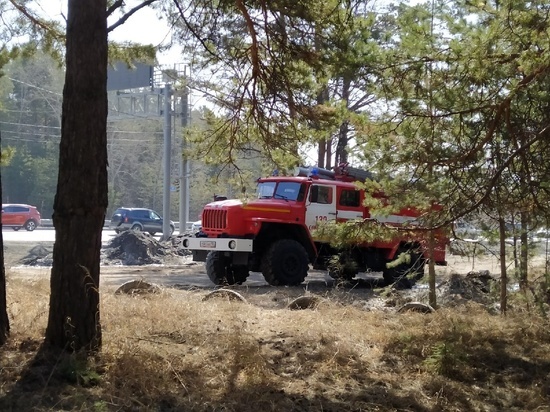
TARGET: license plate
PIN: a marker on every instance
(210, 244)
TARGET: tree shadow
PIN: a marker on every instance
(45, 376)
(45, 385)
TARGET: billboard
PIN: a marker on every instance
(121, 77)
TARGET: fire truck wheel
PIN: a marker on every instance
(405, 274)
(240, 274)
(285, 263)
(217, 269)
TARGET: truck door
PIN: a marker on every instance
(349, 205)
(320, 205)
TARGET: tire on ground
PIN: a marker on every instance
(285, 263)
(240, 274)
(408, 272)
(221, 272)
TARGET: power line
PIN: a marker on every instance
(133, 132)
(31, 134)
(59, 128)
(29, 125)
(111, 140)
(18, 139)
(110, 133)
(35, 86)
(34, 111)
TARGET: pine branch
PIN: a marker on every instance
(126, 16)
(48, 27)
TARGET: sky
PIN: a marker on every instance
(143, 27)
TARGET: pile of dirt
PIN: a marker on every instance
(129, 248)
(476, 286)
(479, 287)
(453, 291)
(39, 255)
(132, 248)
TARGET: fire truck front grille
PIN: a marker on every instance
(214, 219)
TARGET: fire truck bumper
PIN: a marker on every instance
(217, 244)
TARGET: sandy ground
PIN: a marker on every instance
(181, 275)
(183, 272)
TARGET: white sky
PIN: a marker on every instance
(143, 27)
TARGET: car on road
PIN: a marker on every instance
(196, 226)
(17, 216)
(466, 230)
(138, 219)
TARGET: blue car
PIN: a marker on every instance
(138, 219)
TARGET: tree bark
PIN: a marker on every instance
(524, 252)
(432, 292)
(503, 274)
(4, 320)
(81, 198)
(341, 155)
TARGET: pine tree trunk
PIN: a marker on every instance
(4, 321)
(81, 198)
(432, 295)
(503, 275)
(524, 252)
(341, 155)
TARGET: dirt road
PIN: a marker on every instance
(182, 272)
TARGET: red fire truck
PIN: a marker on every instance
(274, 233)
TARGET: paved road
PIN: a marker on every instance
(44, 235)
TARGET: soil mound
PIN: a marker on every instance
(129, 248)
(139, 248)
(38, 256)
(478, 287)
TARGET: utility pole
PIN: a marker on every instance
(184, 161)
(167, 160)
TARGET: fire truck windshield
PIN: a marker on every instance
(280, 190)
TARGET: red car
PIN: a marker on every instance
(17, 216)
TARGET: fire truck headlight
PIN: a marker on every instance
(185, 242)
(232, 244)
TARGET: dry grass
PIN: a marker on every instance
(176, 352)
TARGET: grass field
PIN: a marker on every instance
(180, 350)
